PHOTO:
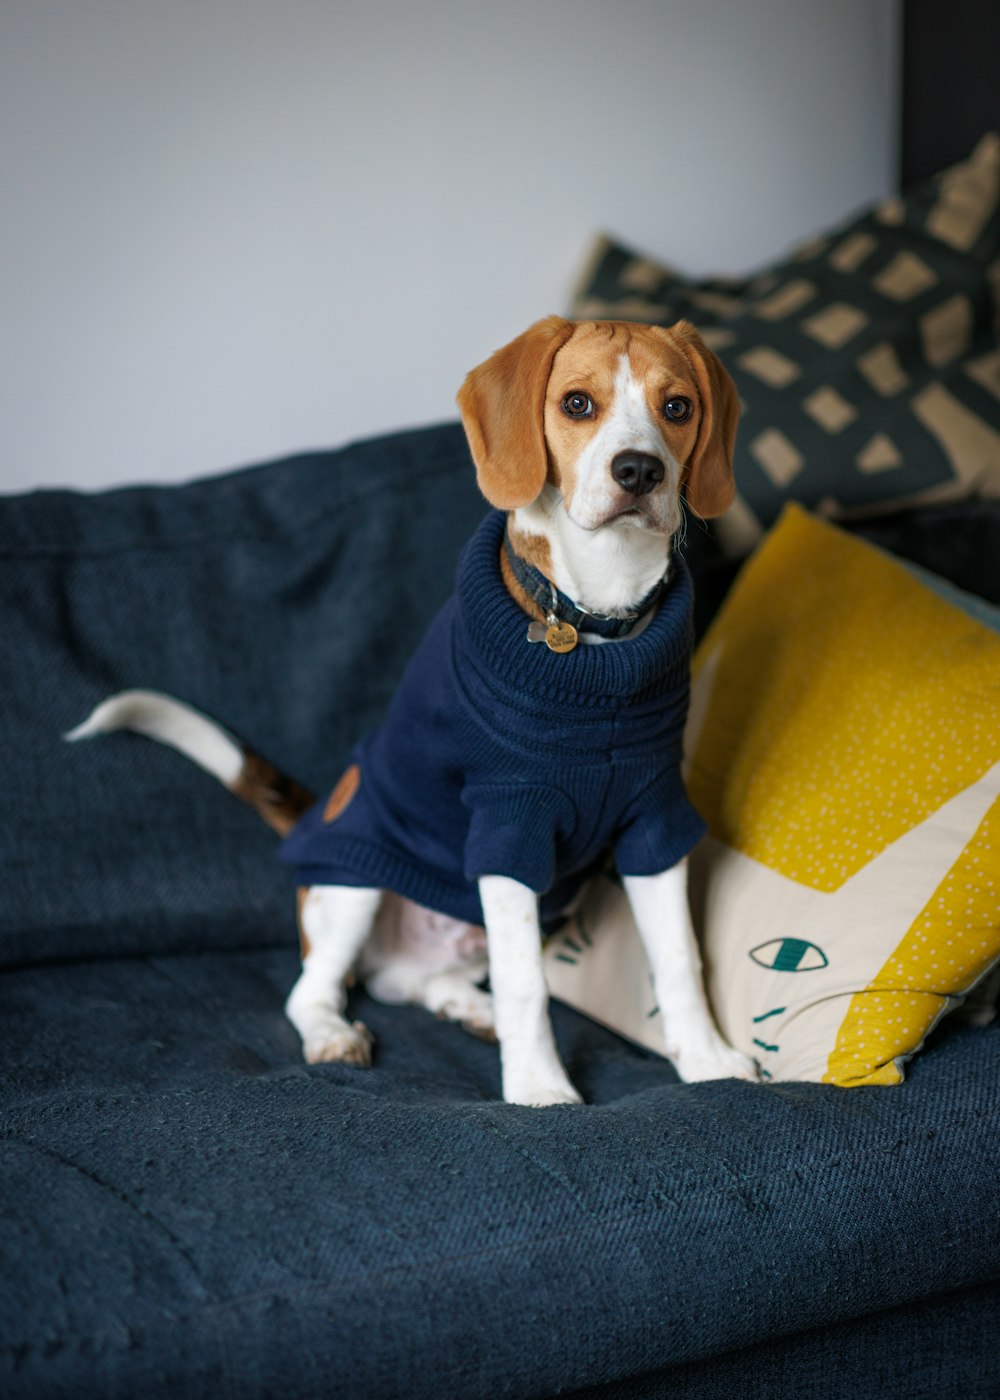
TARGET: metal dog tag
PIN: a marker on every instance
(561, 636)
(557, 636)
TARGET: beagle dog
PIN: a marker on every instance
(501, 779)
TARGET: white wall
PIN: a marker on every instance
(231, 229)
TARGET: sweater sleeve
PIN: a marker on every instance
(513, 831)
(659, 828)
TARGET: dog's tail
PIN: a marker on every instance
(280, 800)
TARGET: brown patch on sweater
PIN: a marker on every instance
(346, 786)
(279, 799)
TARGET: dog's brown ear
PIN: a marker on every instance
(502, 404)
(709, 475)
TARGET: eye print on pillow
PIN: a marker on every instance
(784, 955)
(790, 955)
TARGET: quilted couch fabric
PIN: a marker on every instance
(188, 1209)
(284, 601)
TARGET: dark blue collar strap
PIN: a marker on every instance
(553, 602)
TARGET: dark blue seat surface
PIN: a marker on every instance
(189, 1210)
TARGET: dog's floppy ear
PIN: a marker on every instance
(502, 404)
(709, 476)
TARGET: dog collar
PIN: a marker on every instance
(564, 617)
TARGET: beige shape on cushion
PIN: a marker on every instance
(770, 366)
(879, 454)
(716, 338)
(946, 330)
(880, 366)
(891, 211)
(967, 196)
(787, 299)
(851, 253)
(905, 277)
(717, 303)
(830, 409)
(780, 458)
(836, 324)
(641, 275)
(970, 444)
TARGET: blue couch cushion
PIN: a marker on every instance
(188, 1209)
(283, 600)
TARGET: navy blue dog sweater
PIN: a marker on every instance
(500, 757)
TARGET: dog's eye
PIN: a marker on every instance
(577, 405)
(678, 410)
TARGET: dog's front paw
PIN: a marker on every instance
(339, 1043)
(713, 1060)
(534, 1090)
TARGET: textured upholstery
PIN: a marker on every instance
(189, 1210)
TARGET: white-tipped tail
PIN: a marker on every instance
(169, 722)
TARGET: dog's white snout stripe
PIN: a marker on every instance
(628, 427)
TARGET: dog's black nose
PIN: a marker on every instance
(637, 472)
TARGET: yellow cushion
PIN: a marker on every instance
(846, 760)
(844, 748)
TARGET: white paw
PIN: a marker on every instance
(536, 1091)
(340, 1043)
(715, 1060)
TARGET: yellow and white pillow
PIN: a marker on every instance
(844, 748)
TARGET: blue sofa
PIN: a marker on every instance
(191, 1211)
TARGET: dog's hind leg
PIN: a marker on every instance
(454, 996)
(420, 956)
(335, 922)
(450, 993)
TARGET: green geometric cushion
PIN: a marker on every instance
(868, 360)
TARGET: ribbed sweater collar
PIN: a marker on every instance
(495, 629)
